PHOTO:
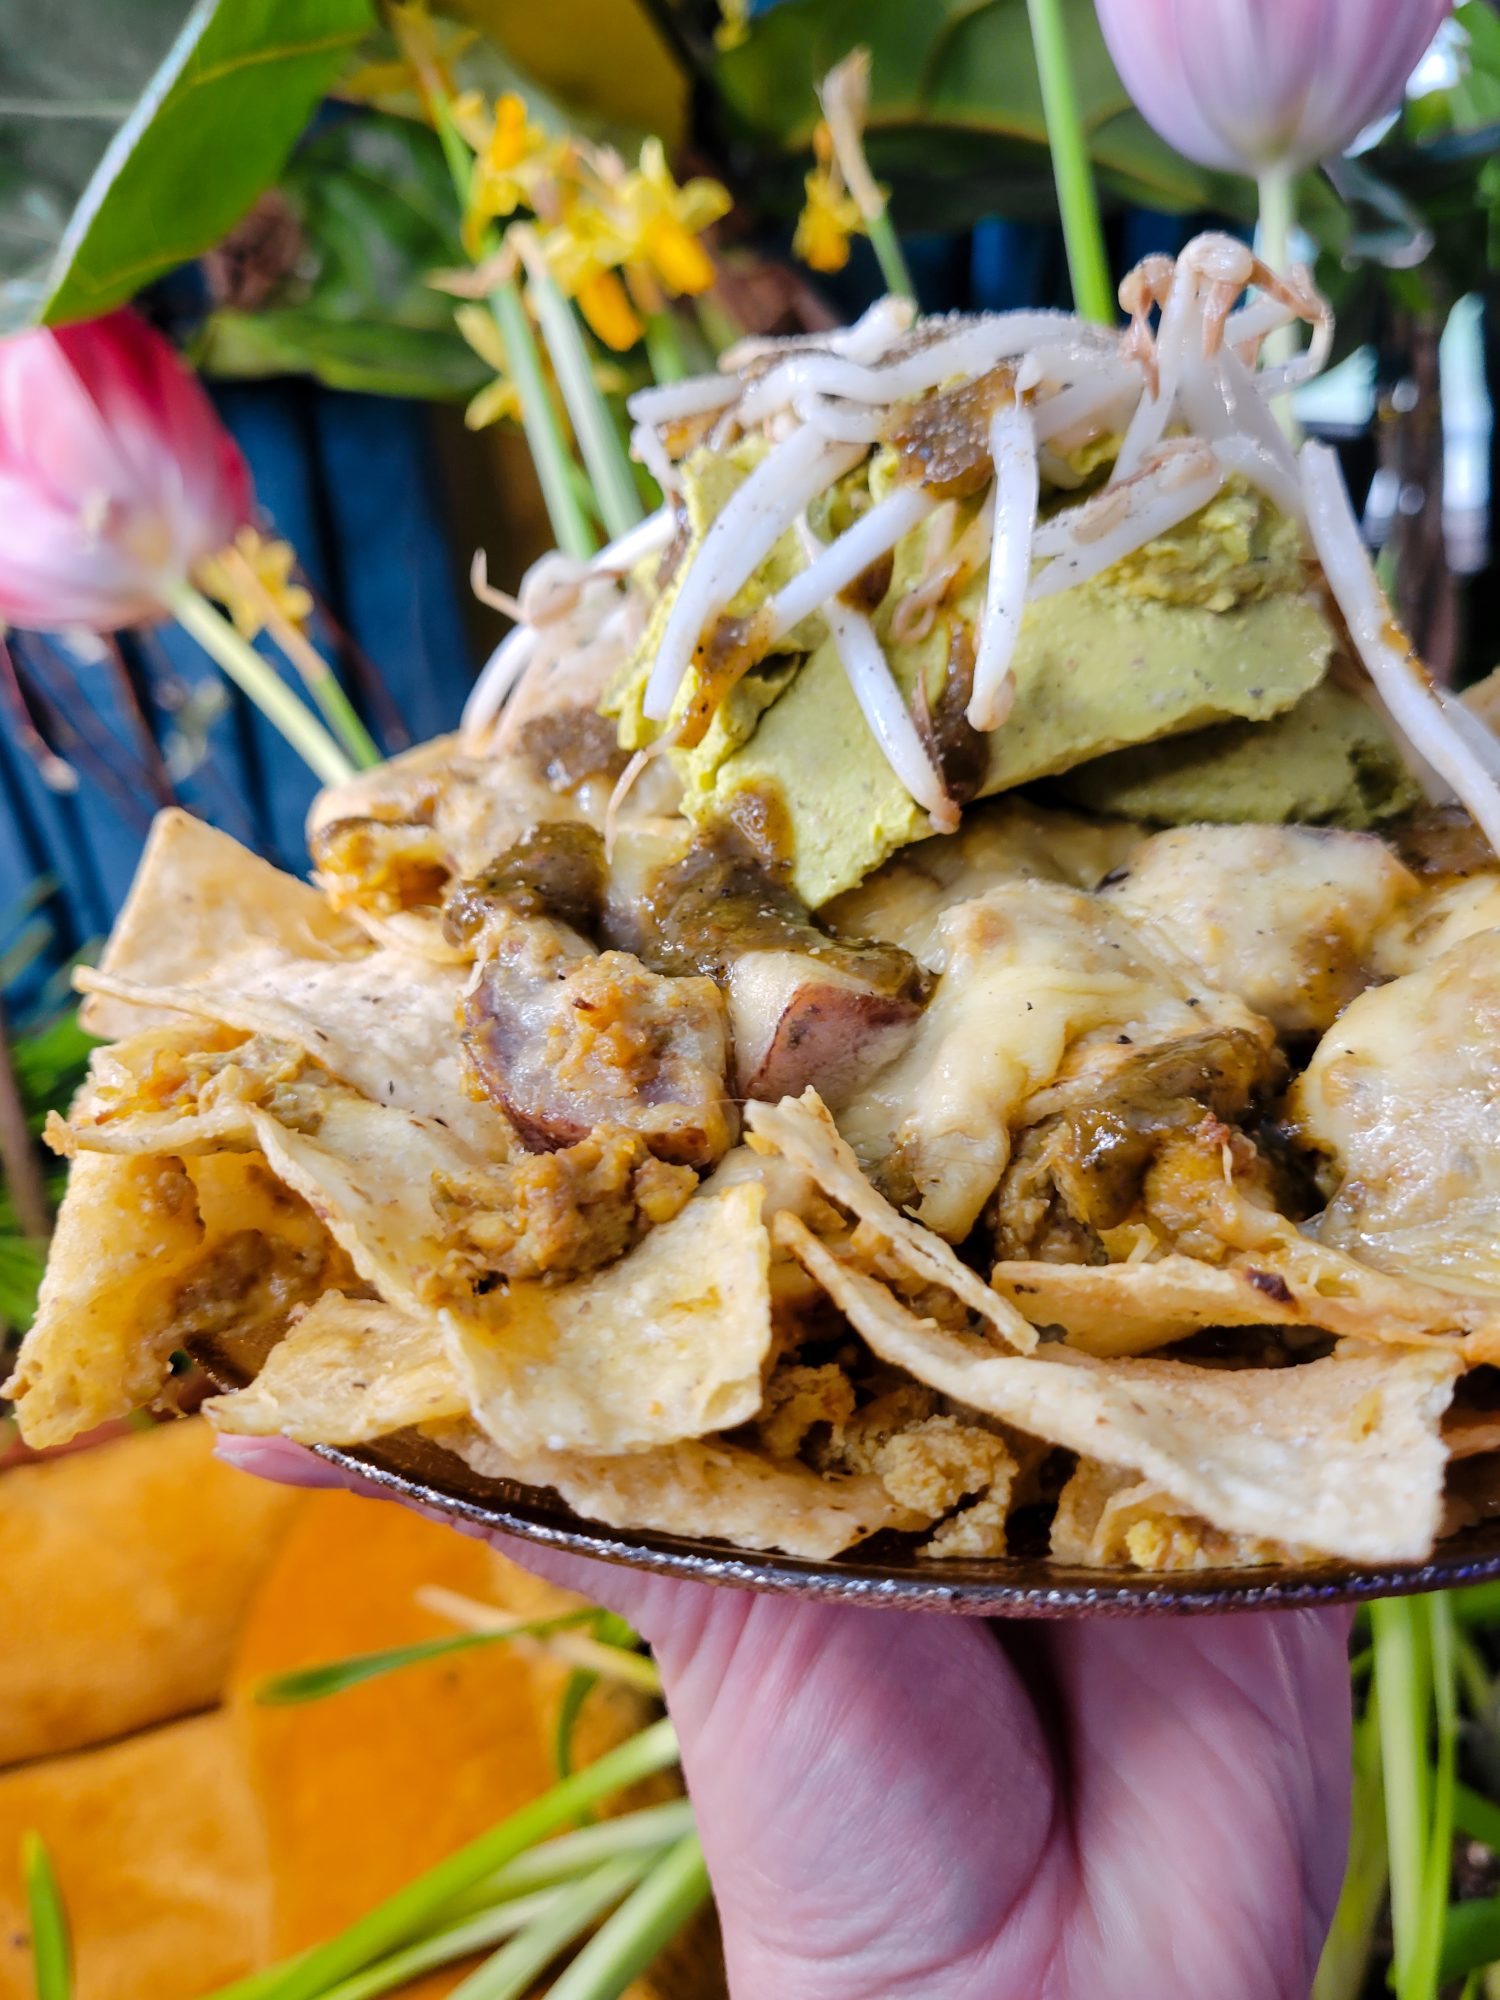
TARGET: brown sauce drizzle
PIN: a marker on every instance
(556, 870)
(960, 751)
(943, 439)
(572, 744)
(718, 901)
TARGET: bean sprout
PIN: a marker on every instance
(1451, 741)
(839, 562)
(818, 404)
(758, 514)
(881, 702)
(1182, 478)
(1013, 452)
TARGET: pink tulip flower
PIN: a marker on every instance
(1264, 87)
(116, 476)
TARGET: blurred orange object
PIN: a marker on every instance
(191, 1854)
(125, 1575)
(365, 1789)
(159, 1850)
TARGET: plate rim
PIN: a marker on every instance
(952, 1587)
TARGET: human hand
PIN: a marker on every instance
(903, 1806)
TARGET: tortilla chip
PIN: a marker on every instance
(1343, 1455)
(127, 1235)
(1117, 1309)
(348, 1371)
(801, 1129)
(133, 1236)
(198, 899)
(383, 1022)
(718, 1491)
(1109, 1518)
(668, 1343)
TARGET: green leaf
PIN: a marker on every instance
(134, 137)
(51, 1953)
(334, 1676)
(1471, 1937)
(579, 1686)
(956, 123)
(377, 214)
(1476, 1817)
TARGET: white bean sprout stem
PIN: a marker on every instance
(881, 701)
(1464, 759)
(1174, 486)
(1016, 491)
(834, 565)
(758, 514)
(497, 677)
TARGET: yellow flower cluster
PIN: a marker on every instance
(830, 215)
(619, 240)
(252, 579)
(630, 239)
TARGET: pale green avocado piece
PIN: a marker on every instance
(1329, 761)
(1094, 671)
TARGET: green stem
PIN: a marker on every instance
(1077, 198)
(544, 438)
(258, 679)
(403, 1917)
(1277, 220)
(572, 1854)
(561, 1859)
(51, 1951)
(477, 1933)
(888, 253)
(1403, 1681)
(513, 1970)
(603, 454)
(664, 346)
(1428, 1955)
(1344, 1968)
(323, 684)
(549, 451)
(643, 1924)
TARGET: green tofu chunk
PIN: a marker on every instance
(1329, 761)
(1095, 670)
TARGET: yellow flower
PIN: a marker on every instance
(666, 222)
(830, 215)
(626, 238)
(497, 399)
(605, 304)
(495, 402)
(511, 159)
(426, 53)
(252, 579)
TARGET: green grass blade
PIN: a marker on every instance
(513, 1969)
(412, 1910)
(1428, 1952)
(676, 1887)
(570, 1854)
(1402, 1682)
(1344, 1968)
(476, 1933)
(51, 1951)
(333, 1676)
(1476, 1817)
(580, 1685)
(1471, 1938)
